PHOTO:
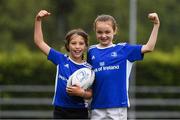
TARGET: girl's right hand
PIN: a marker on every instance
(75, 90)
(41, 14)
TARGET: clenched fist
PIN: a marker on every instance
(41, 14)
(154, 18)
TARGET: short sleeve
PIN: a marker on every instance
(55, 56)
(134, 52)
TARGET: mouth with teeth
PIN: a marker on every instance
(77, 52)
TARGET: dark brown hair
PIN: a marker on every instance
(78, 31)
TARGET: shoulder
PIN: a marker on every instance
(58, 53)
(92, 47)
(127, 45)
(88, 65)
(122, 44)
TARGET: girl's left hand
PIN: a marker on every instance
(154, 18)
(75, 90)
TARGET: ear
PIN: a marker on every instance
(86, 48)
(67, 46)
(115, 31)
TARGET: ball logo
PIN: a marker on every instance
(82, 75)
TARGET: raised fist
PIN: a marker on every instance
(154, 18)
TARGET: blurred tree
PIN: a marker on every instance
(85, 12)
(17, 21)
(169, 30)
(62, 9)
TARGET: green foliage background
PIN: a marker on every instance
(32, 68)
(22, 63)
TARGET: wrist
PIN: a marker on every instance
(83, 93)
(157, 24)
(37, 18)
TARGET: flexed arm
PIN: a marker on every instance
(38, 34)
(149, 46)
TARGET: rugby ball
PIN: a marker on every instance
(83, 77)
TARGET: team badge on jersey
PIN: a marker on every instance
(114, 54)
(102, 63)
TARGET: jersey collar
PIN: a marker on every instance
(99, 47)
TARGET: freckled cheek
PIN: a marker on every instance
(112, 36)
(98, 36)
(106, 36)
(83, 47)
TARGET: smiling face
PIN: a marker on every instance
(77, 47)
(105, 33)
(76, 44)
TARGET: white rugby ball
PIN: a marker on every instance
(83, 77)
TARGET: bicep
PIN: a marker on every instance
(145, 49)
(45, 48)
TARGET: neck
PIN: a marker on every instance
(77, 60)
(104, 46)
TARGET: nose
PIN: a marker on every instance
(77, 46)
(103, 35)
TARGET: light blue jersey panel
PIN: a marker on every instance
(112, 66)
(65, 68)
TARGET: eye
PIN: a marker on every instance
(99, 32)
(73, 43)
(107, 32)
(81, 43)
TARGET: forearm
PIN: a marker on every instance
(78, 91)
(38, 37)
(86, 94)
(149, 46)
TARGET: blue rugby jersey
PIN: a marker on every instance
(112, 66)
(65, 68)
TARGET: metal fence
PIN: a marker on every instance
(28, 102)
(156, 102)
(25, 101)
